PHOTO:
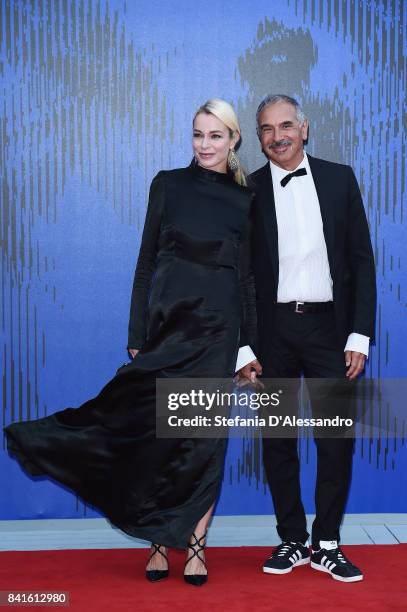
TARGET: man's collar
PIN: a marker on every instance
(278, 173)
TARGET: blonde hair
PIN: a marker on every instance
(225, 112)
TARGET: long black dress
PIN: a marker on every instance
(192, 306)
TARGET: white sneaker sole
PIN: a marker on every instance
(321, 568)
(271, 570)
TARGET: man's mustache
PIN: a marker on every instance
(279, 143)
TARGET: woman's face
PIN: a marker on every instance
(211, 142)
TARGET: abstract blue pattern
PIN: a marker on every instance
(97, 96)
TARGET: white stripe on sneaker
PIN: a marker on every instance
(321, 568)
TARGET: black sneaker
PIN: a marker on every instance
(335, 563)
(286, 556)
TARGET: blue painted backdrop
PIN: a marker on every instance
(95, 98)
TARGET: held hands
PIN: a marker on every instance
(355, 362)
(248, 374)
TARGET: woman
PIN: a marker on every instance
(192, 305)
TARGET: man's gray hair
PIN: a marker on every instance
(271, 99)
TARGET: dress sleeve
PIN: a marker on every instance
(146, 265)
(248, 325)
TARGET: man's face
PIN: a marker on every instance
(281, 135)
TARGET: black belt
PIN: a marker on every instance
(305, 307)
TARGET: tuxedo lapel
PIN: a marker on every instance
(265, 195)
(326, 198)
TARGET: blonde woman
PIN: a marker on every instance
(192, 306)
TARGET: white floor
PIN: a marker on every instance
(55, 534)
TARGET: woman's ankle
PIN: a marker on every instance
(195, 555)
(158, 557)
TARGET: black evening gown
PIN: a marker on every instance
(192, 306)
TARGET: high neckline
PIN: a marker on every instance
(210, 175)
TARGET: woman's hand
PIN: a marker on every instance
(133, 352)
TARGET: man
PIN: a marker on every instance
(315, 281)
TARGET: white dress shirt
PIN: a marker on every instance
(304, 273)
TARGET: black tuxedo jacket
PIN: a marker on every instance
(348, 245)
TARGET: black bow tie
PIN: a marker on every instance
(288, 177)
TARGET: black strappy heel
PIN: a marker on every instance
(156, 575)
(197, 547)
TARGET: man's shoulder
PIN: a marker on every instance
(260, 172)
(327, 165)
(258, 177)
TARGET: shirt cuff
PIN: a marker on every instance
(359, 343)
(244, 356)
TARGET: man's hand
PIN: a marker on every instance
(133, 352)
(355, 362)
(248, 374)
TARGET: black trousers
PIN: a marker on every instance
(306, 344)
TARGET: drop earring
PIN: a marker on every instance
(233, 161)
